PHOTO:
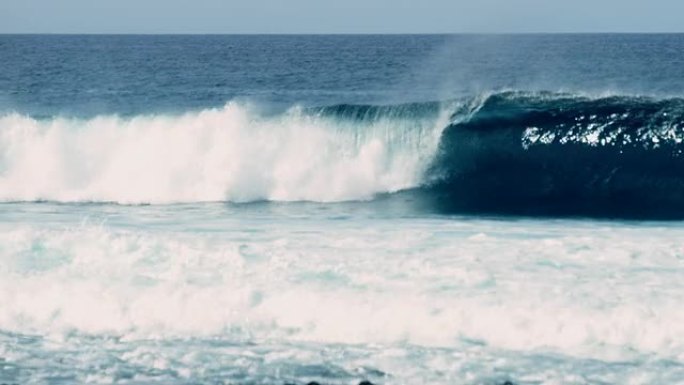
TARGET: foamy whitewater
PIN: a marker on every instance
(406, 210)
(262, 294)
(224, 154)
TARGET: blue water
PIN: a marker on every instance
(90, 75)
(457, 209)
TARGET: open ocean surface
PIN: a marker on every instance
(466, 209)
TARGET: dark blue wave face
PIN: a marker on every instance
(129, 75)
(551, 154)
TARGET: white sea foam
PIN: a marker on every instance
(222, 154)
(592, 292)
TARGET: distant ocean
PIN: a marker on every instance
(400, 209)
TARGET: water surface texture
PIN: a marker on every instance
(466, 209)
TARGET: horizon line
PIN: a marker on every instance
(344, 33)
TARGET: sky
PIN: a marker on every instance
(339, 16)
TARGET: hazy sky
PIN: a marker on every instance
(339, 16)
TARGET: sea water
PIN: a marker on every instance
(285, 209)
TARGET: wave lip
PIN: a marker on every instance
(559, 154)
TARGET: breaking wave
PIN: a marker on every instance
(502, 153)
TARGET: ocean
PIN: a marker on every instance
(398, 209)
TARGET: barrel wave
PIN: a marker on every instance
(519, 153)
(556, 154)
